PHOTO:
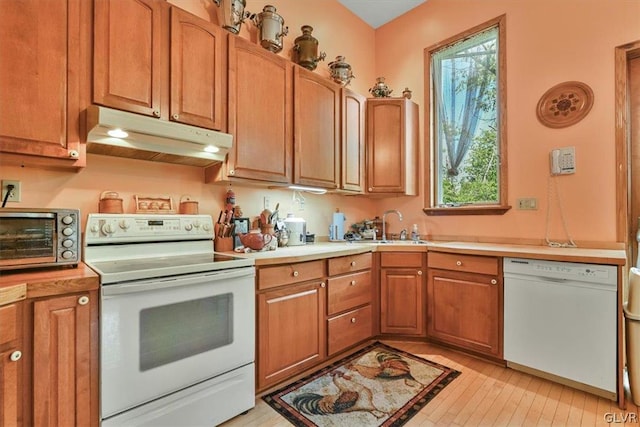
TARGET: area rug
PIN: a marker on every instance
(377, 386)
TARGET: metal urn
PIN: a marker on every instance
(341, 71)
(271, 27)
(380, 89)
(232, 14)
(306, 48)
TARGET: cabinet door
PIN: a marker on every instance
(11, 365)
(43, 77)
(353, 141)
(260, 113)
(465, 309)
(127, 55)
(291, 331)
(197, 71)
(402, 302)
(64, 380)
(317, 130)
(392, 146)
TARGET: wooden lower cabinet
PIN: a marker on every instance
(11, 364)
(291, 331)
(465, 302)
(402, 294)
(62, 371)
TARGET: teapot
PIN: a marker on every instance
(255, 240)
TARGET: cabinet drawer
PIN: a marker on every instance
(349, 291)
(466, 263)
(401, 259)
(10, 324)
(347, 264)
(271, 277)
(349, 329)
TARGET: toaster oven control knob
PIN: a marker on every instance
(124, 224)
(67, 231)
(67, 243)
(66, 220)
(67, 254)
(108, 229)
(188, 227)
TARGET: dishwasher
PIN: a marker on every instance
(560, 318)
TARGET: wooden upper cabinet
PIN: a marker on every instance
(392, 146)
(317, 130)
(44, 71)
(197, 71)
(128, 55)
(260, 115)
(353, 141)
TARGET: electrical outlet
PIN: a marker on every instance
(266, 202)
(528, 204)
(15, 194)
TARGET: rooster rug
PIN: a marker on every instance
(377, 386)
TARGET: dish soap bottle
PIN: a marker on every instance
(415, 236)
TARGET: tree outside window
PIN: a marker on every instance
(467, 129)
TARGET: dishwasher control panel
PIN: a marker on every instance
(594, 273)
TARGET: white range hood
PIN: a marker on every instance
(153, 139)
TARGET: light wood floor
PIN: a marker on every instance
(488, 395)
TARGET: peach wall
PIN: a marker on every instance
(548, 42)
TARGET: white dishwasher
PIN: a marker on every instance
(560, 318)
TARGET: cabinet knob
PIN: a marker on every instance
(84, 300)
(175, 117)
(353, 320)
(419, 272)
(232, 172)
(494, 282)
(458, 263)
(353, 263)
(15, 356)
(295, 274)
(74, 154)
(156, 113)
(322, 285)
(353, 283)
(370, 189)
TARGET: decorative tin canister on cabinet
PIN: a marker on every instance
(232, 14)
(341, 71)
(271, 27)
(380, 89)
(306, 47)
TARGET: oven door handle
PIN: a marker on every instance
(175, 282)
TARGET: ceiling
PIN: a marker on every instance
(379, 12)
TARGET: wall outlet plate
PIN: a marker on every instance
(15, 195)
(530, 204)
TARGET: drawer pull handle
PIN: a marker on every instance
(353, 320)
(494, 282)
(295, 274)
(15, 356)
(353, 283)
(83, 300)
(458, 263)
(322, 285)
(353, 263)
(419, 272)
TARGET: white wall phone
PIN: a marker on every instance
(563, 161)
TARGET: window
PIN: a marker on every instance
(467, 131)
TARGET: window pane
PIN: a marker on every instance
(466, 142)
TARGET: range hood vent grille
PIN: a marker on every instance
(153, 139)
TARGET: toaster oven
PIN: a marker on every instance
(32, 238)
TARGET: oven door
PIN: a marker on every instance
(160, 336)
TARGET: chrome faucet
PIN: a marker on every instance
(384, 222)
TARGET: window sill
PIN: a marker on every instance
(468, 210)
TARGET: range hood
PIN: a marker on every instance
(153, 139)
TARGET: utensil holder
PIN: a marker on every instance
(222, 244)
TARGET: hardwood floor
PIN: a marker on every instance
(488, 395)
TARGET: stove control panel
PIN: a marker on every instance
(114, 228)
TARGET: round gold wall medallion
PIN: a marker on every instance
(564, 104)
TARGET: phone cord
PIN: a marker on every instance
(551, 184)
